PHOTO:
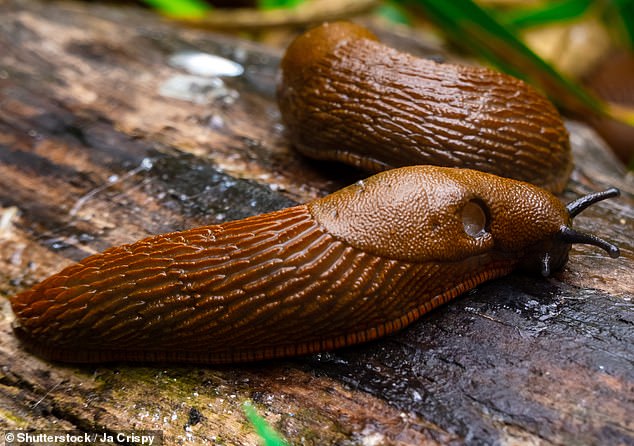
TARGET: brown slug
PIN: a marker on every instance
(345, 96)
(347, 268)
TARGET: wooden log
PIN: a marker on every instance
(93, 153)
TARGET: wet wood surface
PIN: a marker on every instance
(95, 151)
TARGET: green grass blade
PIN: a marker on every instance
(262, 428)
(276, 4)
(549, 12)
(183, 9)
(625, 12)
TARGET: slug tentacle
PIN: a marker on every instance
(554, 253)
(568, 235)
(581, 203)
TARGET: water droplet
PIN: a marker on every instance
(216, 122)
(85, 237)
(147, 164)
(200, 90)
(205, 64)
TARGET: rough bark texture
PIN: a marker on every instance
(92, 155)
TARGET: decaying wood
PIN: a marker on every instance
(93, 155)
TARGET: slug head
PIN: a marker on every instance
(553, 253)
(435, 214)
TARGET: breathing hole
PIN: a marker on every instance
(474, 218)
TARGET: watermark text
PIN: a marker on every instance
(41, 438)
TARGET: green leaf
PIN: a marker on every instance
(276, 4)
(625, 12)
(182, 9)
(549, 12)
(262, 428)
(393, 12)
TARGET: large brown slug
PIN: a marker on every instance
(345, 96)
(350, 267)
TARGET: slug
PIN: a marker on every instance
(345, 96)
(353, 266)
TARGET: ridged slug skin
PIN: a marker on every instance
(350, 267)
(345, 96)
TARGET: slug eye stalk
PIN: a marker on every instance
(569, 235)
(581, 203)
(566, 236)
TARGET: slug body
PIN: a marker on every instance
(347, 268)
(345, 96)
